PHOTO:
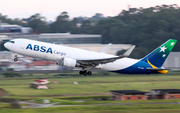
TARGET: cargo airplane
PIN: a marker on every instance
(85, 59)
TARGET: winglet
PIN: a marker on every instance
(129, 51)
(106, 48)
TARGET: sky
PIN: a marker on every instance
(75, 8)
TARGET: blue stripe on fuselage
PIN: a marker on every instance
(137, 68)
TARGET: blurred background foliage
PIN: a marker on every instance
(147, 28)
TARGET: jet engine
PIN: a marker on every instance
(69, 62)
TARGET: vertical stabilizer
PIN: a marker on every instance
(159, 55)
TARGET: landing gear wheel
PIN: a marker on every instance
(15, 59)
(85, 73)
(81, 72)
(89, 73)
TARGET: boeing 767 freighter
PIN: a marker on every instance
(73, 57)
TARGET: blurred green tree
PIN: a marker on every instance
(38, 23)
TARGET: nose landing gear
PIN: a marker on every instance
(85, 72)
(16, 58)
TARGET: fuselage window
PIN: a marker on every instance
(12, 42)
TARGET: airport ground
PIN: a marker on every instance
(91, 94)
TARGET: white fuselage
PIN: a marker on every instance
(55, 52)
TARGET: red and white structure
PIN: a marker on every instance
(42, 81)
(38, 86)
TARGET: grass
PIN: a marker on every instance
(4, 105)
(162, 108)
(19, 88)
(91, 84)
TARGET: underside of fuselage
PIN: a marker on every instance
(138, 68)
(127, 71)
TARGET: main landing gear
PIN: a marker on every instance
(85, 72)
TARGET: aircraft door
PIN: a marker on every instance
(22, 45)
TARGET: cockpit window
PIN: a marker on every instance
(11, 41)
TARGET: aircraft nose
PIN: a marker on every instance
(6, 45)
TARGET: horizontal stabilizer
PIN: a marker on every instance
(156, 69)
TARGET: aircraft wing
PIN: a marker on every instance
(95, 62)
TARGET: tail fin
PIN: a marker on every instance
(159, 55)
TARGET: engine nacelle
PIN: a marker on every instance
(69, 62)
(100, 66)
